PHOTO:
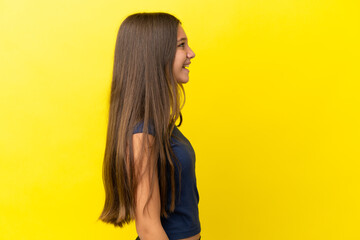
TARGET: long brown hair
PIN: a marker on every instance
(144, 90)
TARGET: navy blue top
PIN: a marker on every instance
(184, 221)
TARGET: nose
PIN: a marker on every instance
(190, 54)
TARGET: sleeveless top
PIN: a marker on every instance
(184, 221)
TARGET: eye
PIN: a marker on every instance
(182, 45)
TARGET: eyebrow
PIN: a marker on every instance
(182, 39)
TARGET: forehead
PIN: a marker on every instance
(180, 33)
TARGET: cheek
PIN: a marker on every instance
(180, 58)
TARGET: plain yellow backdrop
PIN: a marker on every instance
(272, 111)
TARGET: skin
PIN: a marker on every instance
(148, 223)
(183, 56)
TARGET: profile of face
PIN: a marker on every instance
(182, 57)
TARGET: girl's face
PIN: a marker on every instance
(182, 57)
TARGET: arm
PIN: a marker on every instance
(148, 224)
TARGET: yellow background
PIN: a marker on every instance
(272, 111)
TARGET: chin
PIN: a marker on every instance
(184, 79)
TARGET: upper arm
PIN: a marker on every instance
(147, 211)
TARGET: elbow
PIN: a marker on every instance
(147, 231)
(145, 228)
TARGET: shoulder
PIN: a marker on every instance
(141, 138)
(139, 128)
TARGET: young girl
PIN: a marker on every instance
(149, 165)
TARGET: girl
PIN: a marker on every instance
(149, 166)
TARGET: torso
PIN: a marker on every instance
(184, 221)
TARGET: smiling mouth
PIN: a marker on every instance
(185, 66)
